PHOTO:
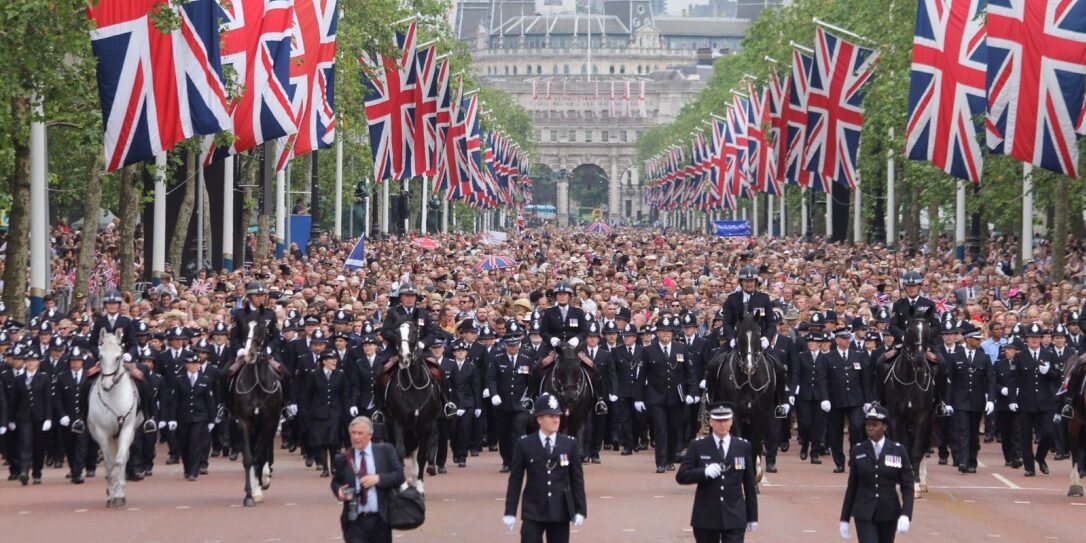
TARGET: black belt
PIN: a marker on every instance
(368, 515)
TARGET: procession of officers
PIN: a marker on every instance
(648, 382)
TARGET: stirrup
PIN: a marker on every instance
(450, 409)
(601, 407)
(528, 404)
(149, 426)
(940, 410)
(78, 427)
(780, 412)
(1067, 412)
(377, 417)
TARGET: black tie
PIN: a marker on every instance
(667, 353)
(720, 445)
(547, 444)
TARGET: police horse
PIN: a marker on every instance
(113, 413)
(907, 380)
(748, 378)
(1076, 442)
(413, 401)
(575, 386)
(255, 401)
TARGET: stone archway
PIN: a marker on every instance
(589, 189)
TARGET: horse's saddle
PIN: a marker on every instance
(390, 367)
(132, 370)
(238, 363)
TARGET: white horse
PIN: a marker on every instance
(113, 414)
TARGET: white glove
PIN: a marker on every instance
(751, 526)
(11, 426)
(46, 426)
(126, 357)
(1004, 391)
(242, 353)
(460, 412)
(732, 343)
(292, 409)
(988, 408)
(574, 342)
(949, 410)
(844, 531)
(353, 411)
(612, 397)
(65, 421)
(3, 430)
(902, 524)
(712, 471)
(690, 400)
(867, 406)
(1056, 418)
(765, 343)
(1014, 407)
(791, 400)
(486, 392)
(638, 406)
(478, 412)
(1043, 368)
(172, 425)
(578, 520)
(496, 401)
(161, 424)
(825, 406)
(554, 342)
(701, 385)
(786, 407)
(510, 522)
(210, 426)
(420, 345)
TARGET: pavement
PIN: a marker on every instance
(627, 501)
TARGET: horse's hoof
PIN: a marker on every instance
(249, 502)
(1075, 491)
(258, 499)
(924, 488)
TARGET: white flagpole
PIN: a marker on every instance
(803, 211)
(406, 193)
(158, 252)
(425, 205)
(39, 217)
(199, 214)
(338, 231)
(891, 205)
(1027, 214)
(857, 216)
(754, 213)
(769, 215)
(228, 213)
(281, 207)
(783, 232)
(959, 221)
(829, 212)
(384, 206)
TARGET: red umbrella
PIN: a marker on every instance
(426, 243)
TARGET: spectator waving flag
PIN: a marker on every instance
(946, 93)
(156, 88)
(256, 44)
(1036, 73)
(835, 115)
(313, 78)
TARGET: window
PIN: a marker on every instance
(622, 136)
(514, 70)
(554, 69)
(622, 69)
(554, 135)
(538, 69)
(611, 68)
(639, 69)
(565, 69)
(588, 135)
(572, 135)
(528, 70)
(507, 70)
(605, 137)
(584, 69)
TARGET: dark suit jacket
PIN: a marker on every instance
(1035, 392)
(730, 501)
(554, 492)
(664, 381)
(122, 322)
(33, 403)
(626, 370)
(970, 384)
(366, 378)
(809, 377)
(388, 468)
(464, 385)
(849, 380)
(733, 312)
(575, 324)
(873, 485)
(1005, 375)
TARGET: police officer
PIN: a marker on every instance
(553, 494)
(698, 349)
(67, 408)
(726, 500)
(911, 303)
(664, 388)
(194, 414)
(367, 376)
(810, 393)
(970, 382)
(604, 385)
(1064, 359)
(536, 347)
(950, 355)
(1036, 400)
(464, 388)
(508, 379)
(879, 468)
(748, 300)
(1005, 391)
(112, 321)
(325, 394)
(141, 459)
(254, 308)
(627, 360)
(32, 413)
(849, 382)
(407, 311)
(562, 322)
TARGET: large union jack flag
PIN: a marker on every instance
(427, 95)
(946, 93)
(256, 43)
(795, 118)
(313, 77)
(390, 108)
(760, 153)
(156, 88)
(835, 115)
(738, 147)
(778, 126)
(1036, 74)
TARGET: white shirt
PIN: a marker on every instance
(192, 378)
(371, 469)
(667, 349)
(878, 445)
(543, 437)
(724, 442)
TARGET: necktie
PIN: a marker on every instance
(592, 354)
(563, 312)
(630, 349)
(362, 472)
(547, 444)
(878, 449)
(75, 376)
(327, 374)
(667, 353)
(720, 445)
(970, 353)
(29, 379)
(192, 379)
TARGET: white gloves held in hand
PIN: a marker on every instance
(712, 471)
(638, 406)
(612, 398)
(65, 421)
(460, 412)
(172, 425)
(353, 411)
(578, 520)
(765, 343)
(751, 526)
(690, 400)
(574, 342)
(510, 522)
(46, 426)
(988, 408)
(825, 405)
(843, 530)
(478, 412)
(554, 342)
(902, 524)
(486, 393)
(496, 401)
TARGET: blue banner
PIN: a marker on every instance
(732, 228)
(301, 226)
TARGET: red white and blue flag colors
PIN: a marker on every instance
(390, 108)
(1035, 79)
(795, 119)
(759, 153)
(313, 78)
(448, 174)
(256, 42)
(737, 147)
(427, 94)
(947, 89)
(778, 126)
(835, 114)
(156, 89)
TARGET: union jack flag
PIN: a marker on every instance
(427, 93)
(1036, 73)
(944, 305)
(719, 187)
(778, 127)
(313, 78)
(946, 93)
(390, 109)
(156, 88)
(760, 154)
(795, 118)
(835, 115)
(256, 43)
(740, 166)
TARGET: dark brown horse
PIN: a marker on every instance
(574, 387)
(413, 403)
(1076, 433)
(255, 400)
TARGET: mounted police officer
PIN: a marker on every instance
(562, 322)
(407, 311)
(112, 321)
(748, 300)
(256, 298)
(911, 281)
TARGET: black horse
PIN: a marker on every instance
(1076, 434)
(748, 378)
(574, 386)
(906, 385)
(413, 403)
(255, 400)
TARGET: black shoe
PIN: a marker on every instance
(963, 469)
(505, 469)
(13, 476)
(190, 477)
(972, 469)
(203, 470)
(461, 464)
(625, 452)
(492, 448)
(146, 473)
(442, 471)
(308, 462)
(324, 473)
(216, 453)
(292, 448)
(233, 456)
(78, 480)
(1059, 457)
(816, 460)
(784, 447)
(474, 453)
(24, 479)
(91, 474)
(802, 456)
(659, 469)
(771, 468)
(989, 439)
(37, 480)
(1016, 464)
(957, 464)
(1043, 466)
(839, 469)
(595, 460)
(942, 461)
(1029, 473)
(172, 460)
(671, 467)
(431, 470)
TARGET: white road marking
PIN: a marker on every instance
(289, 504)
(234, 505)
(1078, 504)
(658, 496)
(448, 499)
(606, 497)
(629, 530)
(81, 510)
(184, 507)
(1021, 502)
(1006, 481)
(994, 535)
(24, 512)
(969, 501)
(133, 509)
(810, 531)
(981, 465)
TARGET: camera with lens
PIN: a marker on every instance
(351, 497)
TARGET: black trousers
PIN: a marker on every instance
(967, 429)
(509, 426)
(597, 430)
(839, 416)
(1006, 423)
(1059, 434)
(719, 536)
(11, 451)
(478, 428)
(624, 420)
(667, 425)
(77, 449)
(441, 446)
(533, 532)
(31, 447)
(944, 435)
(1041, 423)
(811, 426)
(367, 528)
(460, 434)
(870, 531)
(192, 438)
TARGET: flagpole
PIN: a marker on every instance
(338, 231)
(754, 213)
(444, 216)
(829, 212)
(840, 30)
(959, 221)
(199, 214)
(803, 211)
(384, 206)
(857, 215)
(423, 226)
(803, 48)
(769, 215)
(228, 213)
(406, 205)
(1027, 215)
(891, 206)
(39, 217)
(784, 205)
(281, 207)
(158, 251)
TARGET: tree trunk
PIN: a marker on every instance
(17, 259)
(131, 190)
(88, 241)
(912, 216)
(934, 226)
(184, 216)
(205, 258)
(263, 227)
(1060, 226)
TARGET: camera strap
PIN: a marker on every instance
(348, 454)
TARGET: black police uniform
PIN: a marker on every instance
(971, 380)
(119, 322)
(1005, 377)
(627, 362)
(554, 490)
(810, 385)
(665, 382)
(32, 407)
(367, 378)
(1036, 401)
(79, 449)
(390, 326)
(871, 497)
(195, 409)
(723, 506)
(464, 388)
(607, 382)
(739, 303)
(508, 378)
(849, 384)
(573, 325)
(325, 399)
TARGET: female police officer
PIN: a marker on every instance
(877, 467)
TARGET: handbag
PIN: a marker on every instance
(406, 509)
